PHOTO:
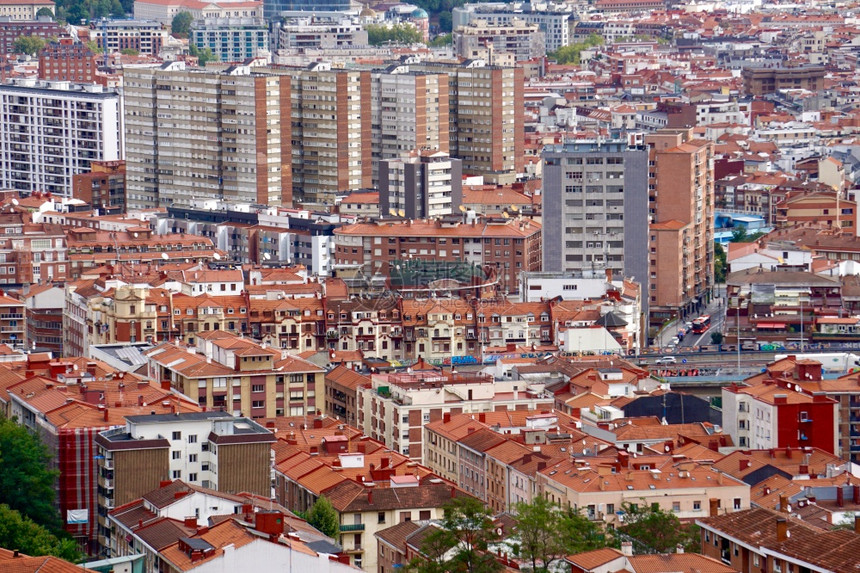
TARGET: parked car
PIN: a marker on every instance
(666, 360)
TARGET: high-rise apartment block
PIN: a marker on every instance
(196, 134)
(485, 116)
(681, 235)
(409, 112)
(554, 23)
(320, 32)
(51, 131)
(232, 39)
(595, 205)
(523, 41)
(331, 131)
(423, 185)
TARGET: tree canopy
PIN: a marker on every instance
(655, 530)
(323, 516)
(462, 541)
(403, 33)
(21, 533)
(720, 266)
(76, 11)
(30, 45)
(45, 12)
(570, 54)
(546, 533)
(204, 55)
(181, 24)
(26, 483)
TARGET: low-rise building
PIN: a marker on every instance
(16, 10)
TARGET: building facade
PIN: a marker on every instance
(422, 185)
(226, 136)
(232, 39)
(54, 131)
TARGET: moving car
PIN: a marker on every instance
(666, 360)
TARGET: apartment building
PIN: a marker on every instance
(486, 116)
(17, 10)
(320, 32)
(410, 111)
(762, 81)
(143, 36)
(232, 39)
(31, 252)
(225, 138)
(521, 40)
(682, 487)
(765, 540)
(595, 202)
(103, 187)
(67, 61)
(54, 130)
(774, 414)
(506, 246)
(263, 381)
(341, 393)
(331, 131)
(681, 236)
(554, 23)
(425, 184)
(11, 30)
(68, 405)
(208, 449)
(44, 311)
(395, 409)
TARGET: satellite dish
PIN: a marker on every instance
(14, 201)
(392, 212)
(462, 209)
(401, 212)
(514, 208)
(216, 256)
(165, 256)
(134, 234)
(505, 215)
(267, 256)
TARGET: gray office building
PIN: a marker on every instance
(595, 208)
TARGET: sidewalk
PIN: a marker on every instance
(665, 336)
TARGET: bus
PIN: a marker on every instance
(701, 324)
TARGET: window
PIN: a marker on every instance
(737, 504)
(177, 435)
(257, 404)
(380, 517)
(177, 474)
(257, 388)
(192, 477)
(176, 455)
(192, 438)
(697, 506)
(192, 458)
(405, 516)
(676, 506)
(424, 515)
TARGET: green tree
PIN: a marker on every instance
(446, 22)
(570, 54)
(26, 483)
(716, 338)
(403, 33)
(30, 45)
(129, 52)
(24, 534)
(720, 265)
(441, 41)
(181, 24)
(323, 516)
(204, 56)
(658, 530)
(45, 13)
(546, 533)
(461, 543)
(93, 45)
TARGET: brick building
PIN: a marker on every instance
(67, 61)
(103, 186)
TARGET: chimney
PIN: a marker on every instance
(627, 548)
(446, 417)
(453, 491)
(191, 523)
(624, 459)
(783, 504)
(781, 529)
(527, 458)
(714, 507)
(857, 522)
(105, 415)
(140, 401)
(840, 496)
(743, 464)
(788, 452)
(855, 494)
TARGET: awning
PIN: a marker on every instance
(773, 325)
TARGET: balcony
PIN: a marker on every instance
(354, 527)
(10, 316)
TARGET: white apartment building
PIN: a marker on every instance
(50, 131)
(423, 185)
(320, 33)
(524, 41)
(553, 21)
